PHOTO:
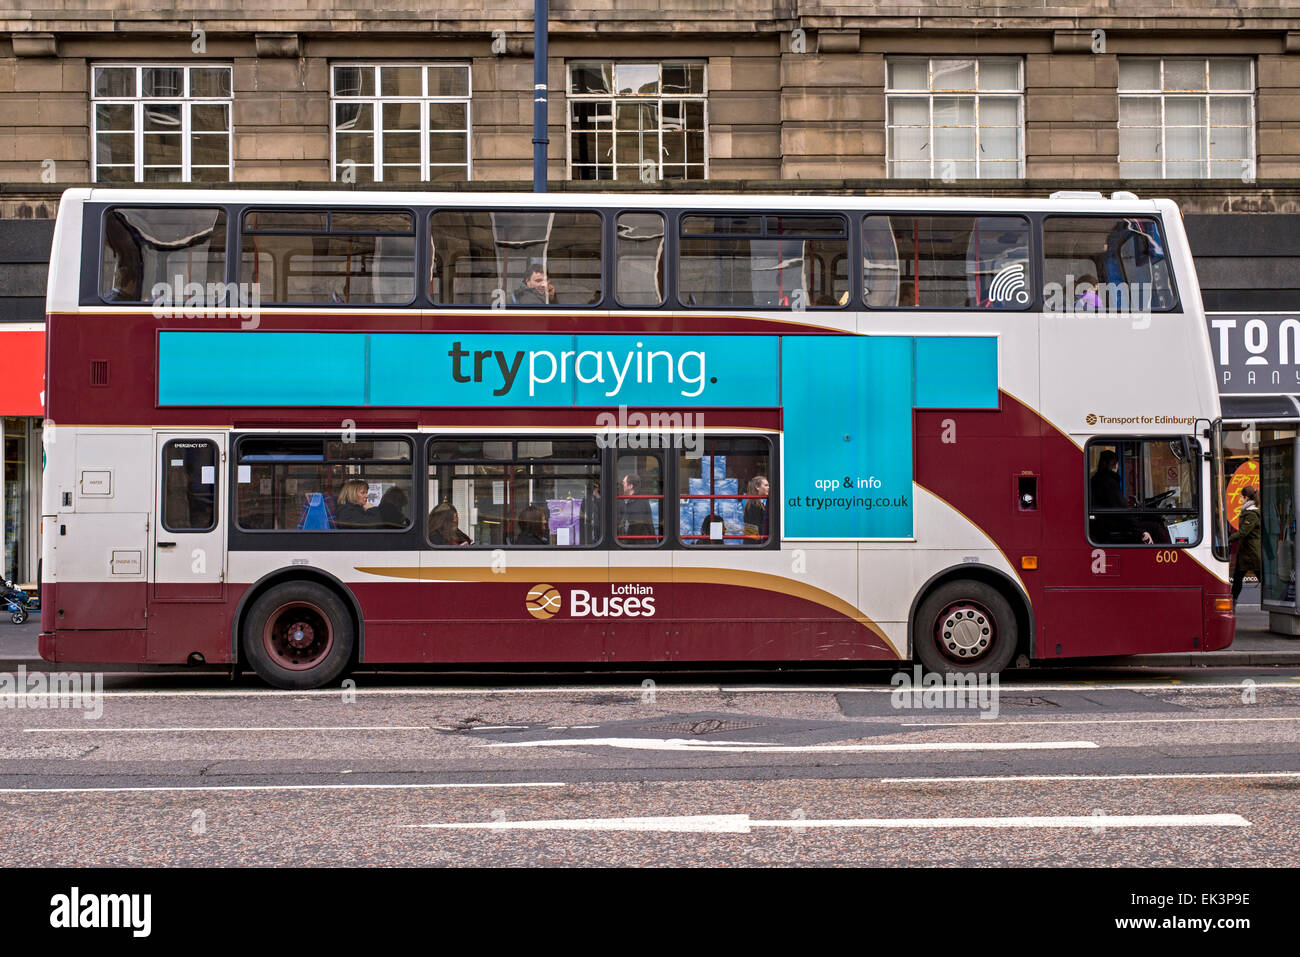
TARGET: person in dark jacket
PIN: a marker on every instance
(756, 508)
(1248, 537)
(533, 527)
(1108, 492)
(353, 511)
(636, 522)
(536, 289)
(392, 508)
(444, 526)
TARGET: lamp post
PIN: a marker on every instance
(541, 13)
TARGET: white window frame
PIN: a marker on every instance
(1204, 95)
(614, 99)
(975, 94)
(378, 100)
(138, 102)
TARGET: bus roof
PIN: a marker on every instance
(745, 201)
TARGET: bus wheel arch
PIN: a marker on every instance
(966, 595)
(318, 591)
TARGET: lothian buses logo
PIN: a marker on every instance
(623, 601)
(543, 601)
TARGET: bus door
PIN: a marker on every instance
(189, 534)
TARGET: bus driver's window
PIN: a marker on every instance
(1143, 492)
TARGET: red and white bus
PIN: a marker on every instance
(301, 431)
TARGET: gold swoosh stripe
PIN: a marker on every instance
(664, 575)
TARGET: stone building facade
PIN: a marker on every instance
(755, 95)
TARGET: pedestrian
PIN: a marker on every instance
(1247, 537)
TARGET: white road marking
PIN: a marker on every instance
(995, 724)
(497, 727)
(742, 824)
(756, 747)
(284, 787)
(634, 691)
(1178, 776)
(236, 730)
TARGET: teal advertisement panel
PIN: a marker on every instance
(956, 372)
(428, 369)
(848, 437)
(261, 368)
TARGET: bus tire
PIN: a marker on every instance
(297, 635)
(965, 627)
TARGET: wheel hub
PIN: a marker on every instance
(966, 631)
(300, 634)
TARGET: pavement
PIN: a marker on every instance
(1253, 646)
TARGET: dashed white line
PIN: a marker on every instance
(752, 747)
(1175, 776)
(1008, 724)
(235, 730)
(285, 787)
(743, 824)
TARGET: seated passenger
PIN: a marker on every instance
(534, 523)
(536, 289)
(712, 521)
(353, 510)
(444, 526)
(392, 508)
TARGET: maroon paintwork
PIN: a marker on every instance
(1134, 604)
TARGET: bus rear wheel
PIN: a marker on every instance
(965, 627)
(298, 635)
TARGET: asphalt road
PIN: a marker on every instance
(1189, 768)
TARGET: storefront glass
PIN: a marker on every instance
(1277, 507)
(15, 497)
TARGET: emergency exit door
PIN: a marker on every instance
(189, 527)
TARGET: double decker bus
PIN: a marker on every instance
(302, 431)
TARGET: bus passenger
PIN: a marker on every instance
(536, 289)
(756, 509)
(392, 508)
(354, 510)
(635, 520)
(1108, 492)
(444, 522)
(534, 529)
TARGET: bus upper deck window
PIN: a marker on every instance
(344, 256)
(1106, 264)
(946, 262)
(145, 249)
(516, 259)
(763, 262)
(640, 259)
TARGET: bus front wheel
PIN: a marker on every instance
(298, 635)
(965, 627)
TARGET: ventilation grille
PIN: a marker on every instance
(99, 372)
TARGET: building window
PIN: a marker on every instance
(637, 121)
(400, 123)
(161, 124)
(1186, 119)
(955, 119)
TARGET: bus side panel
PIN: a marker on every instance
(1080, 622)
(178, 629)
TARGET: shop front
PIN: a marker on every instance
(21, 419)
(1258, 357)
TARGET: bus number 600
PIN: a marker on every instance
(1166, 557)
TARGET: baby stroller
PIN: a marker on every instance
(18, 601)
